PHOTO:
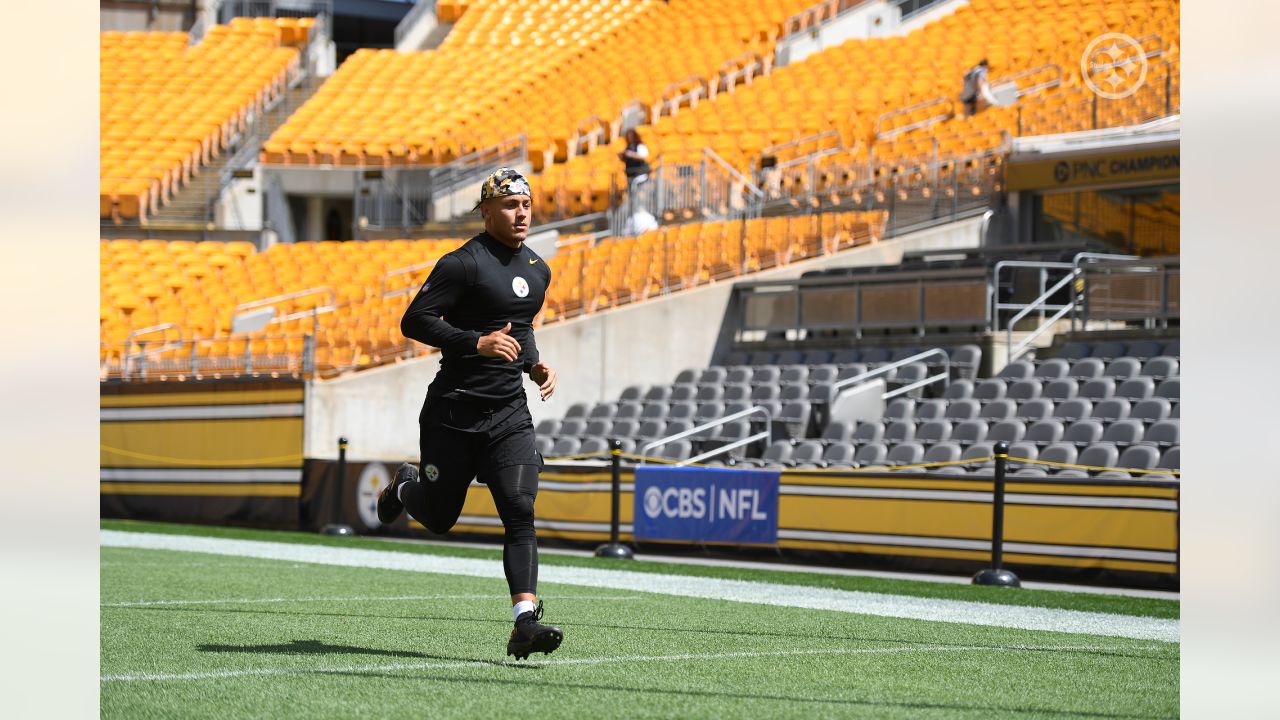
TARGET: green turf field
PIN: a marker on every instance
(201, 635)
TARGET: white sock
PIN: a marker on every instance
(400, 491)
(522, 607)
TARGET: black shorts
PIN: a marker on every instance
(461, 440)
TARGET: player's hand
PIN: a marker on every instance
(499, 344)
(545, 376)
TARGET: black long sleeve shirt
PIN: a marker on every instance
(473, 291)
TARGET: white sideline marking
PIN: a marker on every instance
(354, 598)
(684, 657)
(851, 601)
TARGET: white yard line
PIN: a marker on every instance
(354, 598)
(683, 657)
(885, 605)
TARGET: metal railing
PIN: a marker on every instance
(385, 288)
(937, 117)
(689, 90)
(840, 386)
(1043, 271)
(718, 422)
(312, 312)
(241, 354)
(420, 8)
(810, 19)
(742, 69)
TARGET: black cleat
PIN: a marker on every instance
(531, 636)
(389, 505)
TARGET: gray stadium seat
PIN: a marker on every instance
(1072, 410)
(1074, 351)
(1083, 433)
(1122, 368)
(911, 373)
(654, 411)
(632, 393)
(739, 375)
(681, 411)
(1017, 370)
(838, 455)
(1164, 433)
(765, 392)
(795, 416)
(688, 376)
(1024, 450)
(709, 411)
(1031, 471)
(1098, 389)
(933, 431)
(807, 453)
(1023, 390)
(1171, 459)
(823, 374)
(1169, 389)
(565, 446)
(1136, 388)
(908, 453)
(870, 454)
(942, 452)
(657, 393)
(675, 427)
(1010, 431)
(597, 445)
(577, 410)
(899, 431)
(1150, 410)
(965, 360)
(1139, 457)
(900, 409)
(1110, 410)
(601, 411)
(1086, 369)
(931, 410)
(548, 427)
(1108, 350)
(1123, 433)
(789, 357)
(987, 390)
(1052, 369)
(736, 393)
(969, 432)
(1173, 348)
(709, 393)
(682, 392)
(1044, 432)
(851, 371)
(998, 410)
(1143, 349)
(776, 455)
(733, 408)
(714, 375)
(597, 427)
(628, 411)
(675, 450)
(773, 407)
(1033, 410)
(794, 375)
(816, 357)
(651, 429)
(1059, 390)
(574, 427)
(624, 428)
(962, 410)
(766, 375)
(1161, 367)
(1102, 454)
(543, 445)
(979, 450)
(1060, 452)
(959, 390)
(836, 432)
(791, 393)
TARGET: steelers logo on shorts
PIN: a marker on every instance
(431, 472)
(520, 287)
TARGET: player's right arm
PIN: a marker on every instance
(424, 320)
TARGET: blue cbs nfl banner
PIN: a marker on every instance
(714, 505)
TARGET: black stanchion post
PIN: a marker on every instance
(996, 574)
(335, 495)
(615, 549)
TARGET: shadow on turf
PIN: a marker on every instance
(309, 647)
(736, 632)
(542, 684)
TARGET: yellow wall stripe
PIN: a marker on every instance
(292, 490)
(229, 397)
(267, 442)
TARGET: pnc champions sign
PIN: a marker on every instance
(1100, 170)
(709, 505)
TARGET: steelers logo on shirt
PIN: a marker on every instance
(432, 472)
(520, 287)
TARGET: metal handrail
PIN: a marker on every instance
(756, 409)
(816, 16)
(997, 306)
(596, 129)
(406, 270)
(817, 137)
(841, 385)
(1027, 73)
(1014, 352)
(733, 172)
(669, 101)
(731, 70)
(951, 111)
(333, 297)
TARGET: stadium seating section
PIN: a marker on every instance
(1100, 406)
(198, 286)
(168, 108)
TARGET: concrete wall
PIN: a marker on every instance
(596, 356)
(875, 18)
(240, 206)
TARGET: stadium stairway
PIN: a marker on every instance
(193, 204)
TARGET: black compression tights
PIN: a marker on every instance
(514, 489)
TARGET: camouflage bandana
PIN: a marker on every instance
(504, 182)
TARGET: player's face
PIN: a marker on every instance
(507, 218)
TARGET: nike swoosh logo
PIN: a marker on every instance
(534, 261)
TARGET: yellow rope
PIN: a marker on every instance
(253, 462)
(1096, 467)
